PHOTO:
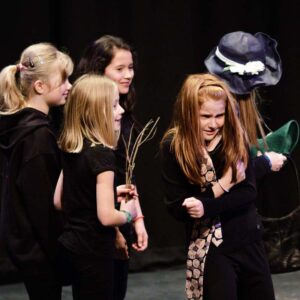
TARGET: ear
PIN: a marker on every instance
(39, 87)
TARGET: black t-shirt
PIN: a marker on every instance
(83, 232)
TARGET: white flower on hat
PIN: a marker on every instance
(251, 67)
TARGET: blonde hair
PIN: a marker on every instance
(36, 63)
(89, 114)
(185, 131)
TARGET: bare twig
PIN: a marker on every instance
(146, 134)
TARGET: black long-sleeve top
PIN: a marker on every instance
(240, 222)
(30, 167)
(261, 167)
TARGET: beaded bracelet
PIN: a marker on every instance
(222, 187)
(128, 215)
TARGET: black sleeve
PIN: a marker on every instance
(36, 182)
(101, 159)
(261, 166)
(239, 197)
(176, 186)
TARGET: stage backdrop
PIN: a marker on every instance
(172, 39)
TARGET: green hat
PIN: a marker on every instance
(282, 140)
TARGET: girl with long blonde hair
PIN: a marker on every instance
(85, 190)
(209, 184)
(30, 165)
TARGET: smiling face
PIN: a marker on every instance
(120, 70)
(212, 117)
(57, 88)
(58, 94)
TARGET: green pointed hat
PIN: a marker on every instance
(283, 140)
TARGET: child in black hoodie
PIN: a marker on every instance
(30, 164)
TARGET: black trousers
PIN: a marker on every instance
(239, 275)
(91, 276)
(121, 267)
(44, 286)
(120, 278)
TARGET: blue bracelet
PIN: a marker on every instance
(128, 215)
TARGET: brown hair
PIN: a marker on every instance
(99, 54)
(250, 117)
(185, 130)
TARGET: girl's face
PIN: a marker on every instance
(117, 111)
(212, 117)
(120, 70)
(58, 90)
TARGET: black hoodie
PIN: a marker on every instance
(29, 169)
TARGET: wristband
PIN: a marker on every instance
(268, 159)
(138, 217)
(128, 215)
(222, 187)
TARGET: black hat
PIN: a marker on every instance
(245, 61)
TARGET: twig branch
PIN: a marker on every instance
(146, 134)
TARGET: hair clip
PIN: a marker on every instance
(21, 67)
(31, 64)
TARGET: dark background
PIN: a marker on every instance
(172, 39)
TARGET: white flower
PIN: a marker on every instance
(251, 67)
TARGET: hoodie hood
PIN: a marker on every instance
(16, 126)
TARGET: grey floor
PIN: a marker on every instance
(167, 284)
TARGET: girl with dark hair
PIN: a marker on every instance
(210, 185)
(112, 57)
(30, 225)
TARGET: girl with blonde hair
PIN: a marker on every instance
(30, 165)
(85, 190)
(209, 184)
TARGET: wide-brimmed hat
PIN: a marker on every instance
(245, 61)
